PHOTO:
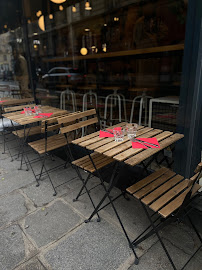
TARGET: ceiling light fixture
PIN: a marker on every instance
(61, 8)
(74, 8)
(83, 51)
(50, 16)
(104, 47)
(41, 23)
(58, 1)
(87, 5)
(39, 13)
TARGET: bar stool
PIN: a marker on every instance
(89, 95)
(68, 94)
(115, 97)
(143, 100)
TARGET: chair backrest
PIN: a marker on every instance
(17, 108)
(66, 122)
(192, 186)
(17, 102)
(194, 179)
(51, 124)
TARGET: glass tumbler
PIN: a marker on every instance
(131, 130)
(29, 111)
(118, 134)
(26, 111)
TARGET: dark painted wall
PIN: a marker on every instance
(188, 151)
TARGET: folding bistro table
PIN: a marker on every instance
(28, 121)
(123, 152)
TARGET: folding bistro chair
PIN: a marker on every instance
(169, 195)
(44, 147)
(12, 106)
(92, 162)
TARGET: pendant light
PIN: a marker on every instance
(41, 23)
(83, 50)
(87, 5)
(58, 1)
(74, 8)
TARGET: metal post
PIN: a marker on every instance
(27, 49)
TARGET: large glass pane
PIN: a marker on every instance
(132, 48)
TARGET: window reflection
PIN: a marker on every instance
(134, 45)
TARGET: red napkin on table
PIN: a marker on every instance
(43, 115)
(1, 101)
(105, 134)
(32, 111)
(150, 140)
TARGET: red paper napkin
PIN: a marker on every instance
(150, 140)
(1, 101)
(43, 115)
(105, 134)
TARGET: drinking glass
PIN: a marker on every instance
(29, 111)
(26, 111)
(131, 130)
(37, 109)
(118, 134)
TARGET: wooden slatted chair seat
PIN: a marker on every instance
(33, 131)
(99, 160)
(53, 142)
(163, 191)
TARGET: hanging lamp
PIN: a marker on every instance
(58, 1)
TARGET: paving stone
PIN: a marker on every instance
(12, 178)
(12, 207)
(84, 205)
(50, 223)
(188, 238)
(133, 218)
(156, 259)
(33, 264)
(43, 194)
(93, 246)
(12, 248)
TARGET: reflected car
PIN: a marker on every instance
(62, 75)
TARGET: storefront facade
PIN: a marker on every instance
(138, 48)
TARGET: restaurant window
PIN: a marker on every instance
(128, 48)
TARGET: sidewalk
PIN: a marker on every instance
(39, 231)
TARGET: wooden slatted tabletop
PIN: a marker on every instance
(23, 119)
(123, 151)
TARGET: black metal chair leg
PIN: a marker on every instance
(84, 185)
(46, 171)
(55, 192)
(87, 191)
(43, 162)
(156, 231)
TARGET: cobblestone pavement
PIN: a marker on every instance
(39, 231)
